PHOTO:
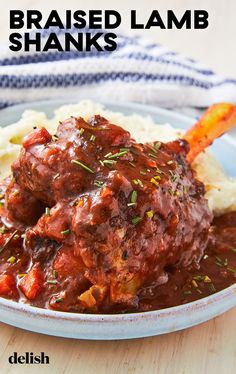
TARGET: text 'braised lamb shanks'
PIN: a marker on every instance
(117, 214)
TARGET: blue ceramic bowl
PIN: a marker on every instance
(122, 326)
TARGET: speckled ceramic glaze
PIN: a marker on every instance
(122, 326)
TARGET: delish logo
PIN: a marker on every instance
(28, 358)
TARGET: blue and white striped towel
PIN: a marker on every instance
(138, 71)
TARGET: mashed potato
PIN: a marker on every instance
(220, 189)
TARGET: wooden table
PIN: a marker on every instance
(209, 348)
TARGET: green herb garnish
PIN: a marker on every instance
(117, 155)
(138, 182)
(198, 277)
(174, 178)
(187, 292)
(134, 196)
(54, 274)
(47, 211)
(98, 183)
(108, 163)
(157, 145)
(171, 192)
(142, 172)
(231, 270)
(3, 229)
(93, 138)
(108, 154)
(212, 287)
(159, 171)
(66, 232)
(8, 240)
(85, 167)
(133, 199)
(136, 220)
(152, 155)
(59, 300)
(152, 149)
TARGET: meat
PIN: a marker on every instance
(123, 212)
(19, 201)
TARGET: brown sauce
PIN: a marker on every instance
(216, 271)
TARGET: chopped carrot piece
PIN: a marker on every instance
(151, 163)
(32, 284)
(39, 136)
(7, 285)
(106, 191)
(218, 119)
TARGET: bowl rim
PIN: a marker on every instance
(199, 304)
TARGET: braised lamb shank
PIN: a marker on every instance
(108, 215)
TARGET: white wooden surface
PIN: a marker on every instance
(206, 349)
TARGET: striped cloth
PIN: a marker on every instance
(138, 71)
